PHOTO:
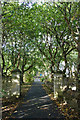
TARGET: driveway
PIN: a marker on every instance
(37, 104)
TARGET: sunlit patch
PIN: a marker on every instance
(38, 107)
(49, 94)
(18, 93)
(9, 81)
(63, 103)
(49, 114)
(8, 93)
(21, 116)
(15, 111)
(17, 96)
(44, 108)
(45, 96)
(31, 100)
(17, 81)
(14, 93)
(64, 87)
(74, 88)
(60, 87)
(18, 76)
(55, 95)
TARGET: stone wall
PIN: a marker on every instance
(11, 86)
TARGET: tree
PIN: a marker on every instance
(18, 51)
(71, 14)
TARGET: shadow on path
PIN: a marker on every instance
(37, 104)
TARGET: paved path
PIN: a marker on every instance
(37, 104)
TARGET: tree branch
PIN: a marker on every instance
(55, 52)
(28, 67)
(70, 50)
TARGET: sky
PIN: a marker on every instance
(31, 0)
(49, 0)
(39, 1)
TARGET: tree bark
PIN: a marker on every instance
(65, 59)
(22, 72)
(78, 79)
(52, 73)
(3, 64)
(58, 65)
(21, 77)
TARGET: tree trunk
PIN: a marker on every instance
(58, 66)
(3, 64)
(52, 73)
(65, 59)
(22, 72)
(78, 79)
(21, 77)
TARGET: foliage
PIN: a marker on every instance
(40, 37)
(28, 77)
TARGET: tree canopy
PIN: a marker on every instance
(38, 33)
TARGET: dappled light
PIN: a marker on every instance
(36, 105)
(10, 87)
(40, 59)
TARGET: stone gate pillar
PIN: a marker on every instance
(16, 78)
